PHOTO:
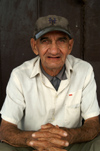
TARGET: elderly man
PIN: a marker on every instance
(48, 96)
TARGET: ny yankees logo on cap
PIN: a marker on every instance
(52, 21)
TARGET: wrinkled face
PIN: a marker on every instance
(53, 49)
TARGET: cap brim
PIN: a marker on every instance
(49, 29)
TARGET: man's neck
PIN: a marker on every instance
(61, 75)
(52, 72)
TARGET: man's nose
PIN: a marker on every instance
(53, 48)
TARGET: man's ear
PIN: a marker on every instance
(33, 46)
(71, 43)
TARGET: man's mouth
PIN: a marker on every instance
(53, 57)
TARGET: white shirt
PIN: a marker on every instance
(32, 101)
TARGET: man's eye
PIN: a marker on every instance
(44, 41)
(62, 40)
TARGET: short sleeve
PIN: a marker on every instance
(89, 106)
(14, 104)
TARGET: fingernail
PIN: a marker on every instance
(65, 134)
(31, 143)
(66, 144)
(42, 126)
(33, 135)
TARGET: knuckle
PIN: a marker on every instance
(52, 130)
(52, 140)
(47, 134)
(63, 143)
(45, 144)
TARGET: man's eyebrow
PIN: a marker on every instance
(65, 38)
(43, 38)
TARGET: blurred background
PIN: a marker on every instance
(17, 18)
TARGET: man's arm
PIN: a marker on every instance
(49, 136)
(9, 133)
(87, 132)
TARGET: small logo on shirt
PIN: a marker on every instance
(70, 94)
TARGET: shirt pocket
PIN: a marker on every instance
(73, 109)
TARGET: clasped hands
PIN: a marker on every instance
(49, 138)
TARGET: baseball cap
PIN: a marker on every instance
(51, 23)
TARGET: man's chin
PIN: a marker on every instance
(54, 67)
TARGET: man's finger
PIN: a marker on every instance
(55, 130)
(48, 125)
(44, 134)
(59, 142)
(40, 144)
(55, 149)
(58, 131)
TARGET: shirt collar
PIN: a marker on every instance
(61, 75)
(37, 69)
(69, 67)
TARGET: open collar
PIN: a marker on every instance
(36, 69)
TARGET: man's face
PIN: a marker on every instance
(53, 49)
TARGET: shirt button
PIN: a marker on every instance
(56, 96)
(53, 118)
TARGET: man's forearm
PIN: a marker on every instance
(10, 134)
(87, 132)
(13, 136)
(50, 136)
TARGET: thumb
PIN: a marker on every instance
(48, 125)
